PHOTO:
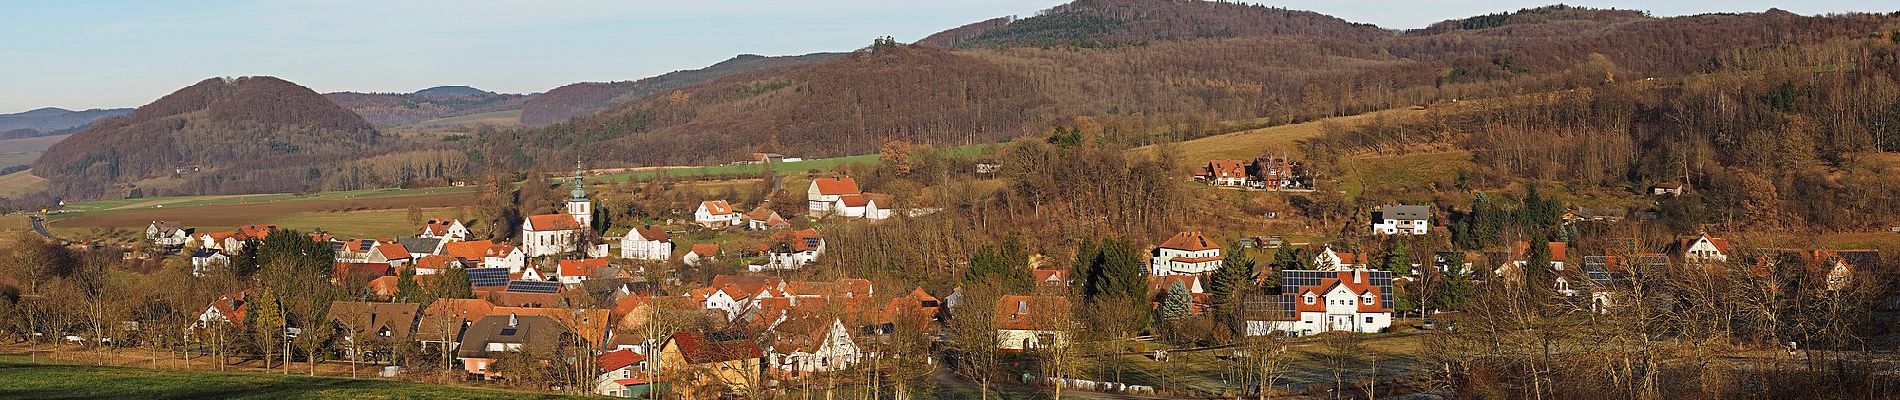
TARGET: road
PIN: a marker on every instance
(39, 226)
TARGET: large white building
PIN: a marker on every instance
(1401, 220)
(552, 234)
(1705, 248)
(1185, 253)
(825, 192)
(717, 214)
(646, 243)
(1348, 302)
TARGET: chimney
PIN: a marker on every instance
(511, 320)
(1359, 277)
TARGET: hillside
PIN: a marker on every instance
(392, 109)
(1108, 23)
(586, 98)
(254, 133)
(51, 121)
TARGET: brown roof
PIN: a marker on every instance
(373, 319)
(384, 286)
(706, 249)
(554, 222)
(536, 333)
(450, 316)
(716, 207)
(1559, 251)
(1190, 241)
(770, 216)
(472, 250)
(438, 226)
(797, 239)
(648, 232)
(346, 271)
(1226, 168)
(618, 359)
(697, 348)
(801, 334)
(1055, 277)
(438, 261)
(836, 185)
(1030, 312)
(393, 251)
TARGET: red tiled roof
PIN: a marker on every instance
(1226, 168)
(472, 250)
(716, 207)
(438, 226)
(796, 239)
(1049, 276)
(383, 286)
(581, 267)
(1344, 278)
(256, 231)
(836, 186)
(393, 251)
(345, 271)
(1030, 312)
(1559, 251)
(630, 381)
(1189, 241)
(436, 261)
(553, 222)
(706, 249)
(618, 359)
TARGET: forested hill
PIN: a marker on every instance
(586, 98)
(254, 133)
(51, 121)
(392, 109)
(1106, 23)
(1156, 90)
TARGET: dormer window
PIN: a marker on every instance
(1310, 298)
(1368, 299)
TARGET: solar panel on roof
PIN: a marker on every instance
(487, 276)
(533, 286)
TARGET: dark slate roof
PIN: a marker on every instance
(421, 245)
(536, 334)
(1405, 212)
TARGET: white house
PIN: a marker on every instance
(717, 214)
(1032, 322)
(764, 218)
(447, 229)
(167, 235)
(824, 193)
(646, 243)
(701, 254)
(1401, 220)
(1705, 249)
(1333, 260)
(1348, 302)
(805, 345)
(505, 256)
(793, 249)
(552, 234)
(203, 259)
(863, 205)
(620, 369)
(1185, 253)
(730, 298)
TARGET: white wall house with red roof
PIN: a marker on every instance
(825, 192)
(449, 229)
(717, 214)
(1347, 303)
(1705, 248)
(1225, 173)
(646, 243)
(1185, 253)
(550, 234)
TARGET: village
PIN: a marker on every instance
(566, 301)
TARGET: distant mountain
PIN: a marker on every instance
(51, 121)
(250, 134)
(587, 98)
(395, 109)
(1108, 23)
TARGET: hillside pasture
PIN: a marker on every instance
(20, 183)
(52, 380)
(343, 215)
(1282, 139)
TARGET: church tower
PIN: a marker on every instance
(577, 204)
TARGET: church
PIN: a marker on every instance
(556, 234)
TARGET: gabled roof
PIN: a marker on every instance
(1226, 168)
(473, 250)
(802, 334)
(699, 348)
(553, 222)
(1559, 251)
(1049, 276)
(385, 286)
(799, 240)
(347, 271)
(256, 231)
(231, 306)
(1189, 241)
(854, 200)
(648, 232)
(420, 245)
(439, 226)
(716, 207)
(618, 359)
(440, 262)
(536, 333)
(1358, 287)
(770, 216)
(448, 316)
(1404, 212)
(1020, 312)
(393, 251)
(1721, 245)
(839, 185)
(371, 319)
(582, 267)
(706, 249)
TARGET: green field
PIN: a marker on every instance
(23, 379)
(1412, 173)
(1282, 139)
(194, 201)
(498, 119)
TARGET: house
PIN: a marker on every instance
(1401, 220)
(646, 243)
(1347, 302)
(1840, 274)
(793, 249)
(347, 272)
(693, 360)
(487, 339)
(486, 253)
(824, 194)
(446, 321)
(365, 325)
(572, 272)
(168, 236)
(808, 344)
(620, 369)
(1225, 173)
(1568, 282)
(1595, 215)
(732, 300)
(1185, 253)
(1032, 322)
(447, 229)
(1276, 172)
(1328, 259)
(1704, 249)
(701, 254)
(231, 242)
(1052, 277)
(431, 265)
(717, 214)
(863, 205)
(392, 253)
(1158, 284)
(420, 247)
(764, 218)
(204, 259)
(225, 309)
(1668, 189)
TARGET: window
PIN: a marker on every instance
(1368, 320)
(1309, 298)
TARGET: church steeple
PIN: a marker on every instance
(577, 204)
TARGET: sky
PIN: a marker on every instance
(124, 53)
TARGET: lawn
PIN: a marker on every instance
(1282, 139)
(499, 119)
(357, 224)
(47, 380)
(1412, 173)
(19, 183)
(1210, 373)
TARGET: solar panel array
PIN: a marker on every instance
(1292, 280)
(533, 286)
(487, 276)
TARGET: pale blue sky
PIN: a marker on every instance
(92, 54)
